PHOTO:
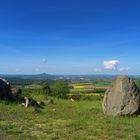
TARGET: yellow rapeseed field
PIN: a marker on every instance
(90, 94)
(88, 87)
(78, 87)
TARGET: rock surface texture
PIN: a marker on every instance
(122, 98)
(5, 90)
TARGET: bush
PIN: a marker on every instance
(138, 83)
(46, 89)
(78, 97)
(60, 89)
(91, 98)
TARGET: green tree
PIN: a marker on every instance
(46, 89)
(138, 83)
(60, 89)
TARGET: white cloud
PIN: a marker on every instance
(111, 64)
(123, 69)
(97, 70)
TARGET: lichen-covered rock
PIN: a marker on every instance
(5, 90)
(122, 98)
(16, 92)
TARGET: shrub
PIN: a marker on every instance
(138, 83)
(46, 89)
(91, 98)
(60, 89)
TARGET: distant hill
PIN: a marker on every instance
(45, 76)
(28, 79)
(38, 76)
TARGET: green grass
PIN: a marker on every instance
(65, 120)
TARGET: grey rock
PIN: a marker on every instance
(48, 102)
(122, 98)
(41, 103)
(31, 102)
(5, 90)
(16, 92)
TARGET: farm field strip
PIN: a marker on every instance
(89, 87)
(87, 94)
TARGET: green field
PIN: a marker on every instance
(65, 120)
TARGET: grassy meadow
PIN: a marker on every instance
(65, 120)
(81, 119)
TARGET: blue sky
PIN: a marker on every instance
(70, 36)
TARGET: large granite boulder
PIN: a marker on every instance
(122, 98)
(5, 90)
